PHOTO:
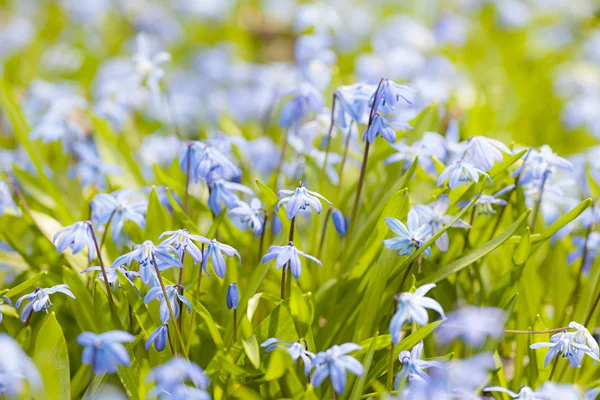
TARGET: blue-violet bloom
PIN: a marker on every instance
(77, 237)
(288, 254)
(334, 363)
(299, 199)
(295, 350)
(39, 300)
(104, 351)
(145, 254)
(408, 239)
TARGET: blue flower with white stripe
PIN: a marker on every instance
(145, 254)
(214, 251)
(335, 363)
(409, 238)
(174, 297)
(39, 300)
(459, 173)
(288, 254)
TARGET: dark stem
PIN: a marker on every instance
(112, 214)
(196, 298)
(328, 145)
(283, 282)
(467, 231)
(553, 368)
(324, 232)
(538, 203)
(406, 274)
(108, 290)
(234, 325)
(130, 319)
(170, 341)
(345, 155)
(591, 313)
(285, 267)
(262, 236)
(187, 179)
(180, 288)
(28, 321)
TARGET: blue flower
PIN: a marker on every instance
(222, 191)
(583, 336)
(39, 300)
(104, 352)
(339, 222)
(145, 254)
(385, 127)
(215, 250)
(294, 349)
(353, 103)
(334, 363)
(412, 308)
(183, 242)
(233, 296)
(56, 123)
(77, 237)
(540, 164)
(206, 162)
(590, 248)
(432, 144)
(288, 254)
(434, 214)
(172, 376)
(1, 303)
(413, 366)
(148, 66)
(277, 225)
(304, 100)
(482, 152)
(409, 239)
(250, 215)
(159, 338)
(460, 172)
(16, 367)
(91, 169)
(473, 325)
(485, 201)
(525, 392)
(119, 207)
(112, 275)
(174, 298)
(564, 344)
(299, 199)
(390, 93)
(6, 200)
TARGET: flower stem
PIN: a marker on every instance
(164, 291)
(520, 332)
(187, 179)
(591, 312)
(406, 274)
(112, 214)
(262, 236)
(327, 146)
(180, 288)
(553, 369)
(324, 232)
(285, 267)
(390, 371)
(108, 291)
(196, 298)
(575, 295)
(345, 155)
(536, 210)
(234, 325)
(130, 318)
(170, 342)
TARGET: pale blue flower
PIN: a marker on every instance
(250, 216)
(7, 300)
(6, 200)
(413, 366)
(411, 307)
(148, 66)
(174, 297)
(56, 125)
(39, 300)
(215, 250)
(484, 203)
(233, 296)
(525, 393)
(91, 169)
(590, 248)
(183, 242)
(583, 336)
(77, 237)
(206, 161)
(15, 368)
(223, 192)
(482, 152)
(145, 254)
(409, 238)
(390, 93)
(119, 207)
(112, 275)
(541, 164)
(172, 377)
(352, 103)
(385, 127)
(294, 349)
(288, 254)
(104, 352)
(159, 338)
(434, 214)
(473, 325)
(432, 144)
(334, 363)
(305, 99)
(299, 199)
(460, 172)
(564, 344)
(339, 222)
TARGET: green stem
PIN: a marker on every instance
(262, 237)
(108, 290)
(345, 155)
(538, 204)
(285, 267)
(234, 325)
(553, 369)
(187, 179)
(328, 145)
(196, 298)
(520, 332)
(575, 295)
(324, 232)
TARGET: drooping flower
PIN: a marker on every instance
(145, 254)
(105, 352)
(174, 298)
(15, 368)
(482, 151)
(206, 162)
(564, 344)
(224, 192)
(473, 325)
(183, 242)
(408, 239)
(7, 300)
(583, 336)
(334, 363)
(434, 214)
(294, 349)
(57, 123)
(459, 173)
(250, 215)
(215, 251)
(288, 254)
(541, 164)
(413, 366)
(172, 377)
(389, 94)
(158, 337)
(432, 144)
(411, 307)
(233, 296)
(6, 200)
(588, 247)
(112, 274)
(77, 237)
(39, 300)
(385, 127)
(299, 199)
(117, 208)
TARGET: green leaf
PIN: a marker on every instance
(104, 313)
(180, 215)
(562, 221)
(269, 199)
(52, 359)
(279, 363)
(522, 251)
(252, 350)
(157, 219)
(25, 286)
(84, 306)
(360, 384)
(476, 254)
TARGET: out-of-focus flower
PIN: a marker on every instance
(588, 247)
(482, 152)
(145, 254)
(385, 127)
(412, 308)
(288, 254)
(91, 169)
(473, 325)
(148, 66)
(485, 201)
(39, 300)
(432, 144)
(352, 102)
(408, 239)
(4, 300)
(295, 350)
(58, 123)
(233, 296)
(389, 94)
(334, 363)
(460, 172)
(159, 338)
(112, 274)
(413, 366)
(251, 215)
(564, 344)
(183, 242)
(173, 296)
(171, 380)
(206, 163)
(525, 392)
(299, 199)
(117, 208)
(541, 164)
(77, 237)
(15, 368)
(105, 352)
(434, 214)
(6, 199)
(224, 192)
(303, 100)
